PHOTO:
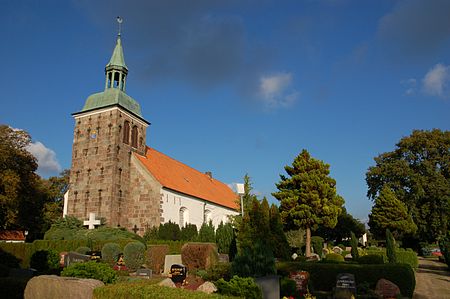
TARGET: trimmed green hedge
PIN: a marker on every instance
(174, 246)
(323, 275)
(24, 251)
(147, 289)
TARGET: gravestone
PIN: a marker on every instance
(171, 259)
(95, 255)
(387, 289)
(270, 286)
(75, 257)
(144, 273)
(178, 273)
(337, 249)
(224, 258)
(345, 286)
(301, 279)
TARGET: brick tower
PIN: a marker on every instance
(108, 129)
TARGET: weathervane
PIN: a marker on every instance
(119, 20)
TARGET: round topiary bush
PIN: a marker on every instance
(82, 249)
(334, 257)
(110, 253)
(45, 261)
(91, 269)
(134, 255)
(371, 259)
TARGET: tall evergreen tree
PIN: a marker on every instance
(278, 238)
(389, 212)
(354, 244)
(390, 247)
(308, 196)
(224, 237)
(207, 232)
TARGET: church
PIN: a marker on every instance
(116, 177)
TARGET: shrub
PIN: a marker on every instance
(254, 261)
(82, 249)
(334, 257)
(45, 261)
(134, 255)
(217, 271)
(169, 231)
(288, 287)
(156, 255)
(151, 234)
(110, 253)
(189, 232)
(372, 259)
(317, 244)
(9, 260)
(91, 269)
(13, 287)
(224, 237)
(390, 247)
(354, 244)
(323, 275)
(239, 286)
(207, 233)
(199, 255)
(407, 257)
(444, 245)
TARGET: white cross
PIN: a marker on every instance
(91, 222)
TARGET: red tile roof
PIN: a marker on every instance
(12, 235)
(177, 176)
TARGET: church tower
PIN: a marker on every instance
(108, 129)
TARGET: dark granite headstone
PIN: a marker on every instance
(345, 286)
(301, 279)
(144, 273)
(178, 273)
(75, 257)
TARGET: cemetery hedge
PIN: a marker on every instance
(149, 289)
(323, 275)
(24, 251)
(91, 269)
(199, 255)
(155, 257)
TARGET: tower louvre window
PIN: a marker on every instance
(134, 136)
(126, 132)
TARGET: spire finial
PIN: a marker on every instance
(119, 20)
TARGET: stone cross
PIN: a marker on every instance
(91, 223)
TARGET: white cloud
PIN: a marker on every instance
(275, 93)
(436, 81)
(47, 162)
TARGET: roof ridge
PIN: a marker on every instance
(196, 170)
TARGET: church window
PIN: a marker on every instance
(141, 141)
(101, 170)
(96, 150)
(207, 216)
(120, 174)
(126, 132)
(134, 136)
(184, 216)
(75, 153)
(77, 175)
(85, 151)
(109, 129)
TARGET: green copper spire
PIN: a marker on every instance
(116, 73)
(117, 59)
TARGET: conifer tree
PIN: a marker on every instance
(278, 238)
(224, 237)
(354, 244)
(390, 213)
(207, 232)
(390, 247)
(308, 196)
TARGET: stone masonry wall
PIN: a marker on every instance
(100, 172)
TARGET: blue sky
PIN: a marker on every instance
(236, 87)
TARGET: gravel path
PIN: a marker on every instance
(432, 280)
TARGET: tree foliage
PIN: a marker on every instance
(389, 212)
(390, 247)
(346, 224)
(308, 196)
(224, 237)
(418, 172)
(207, 232)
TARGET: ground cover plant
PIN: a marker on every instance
(150, 289)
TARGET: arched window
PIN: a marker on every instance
(126, 132)
(184, 216)
(134, 137)
(208, 216)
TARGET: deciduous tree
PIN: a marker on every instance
(418, 172)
